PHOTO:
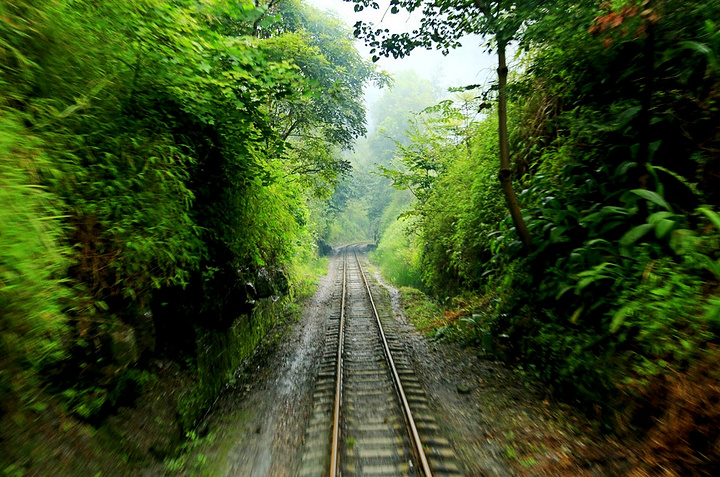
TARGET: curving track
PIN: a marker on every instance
(370, 415)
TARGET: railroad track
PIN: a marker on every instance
(371, 416)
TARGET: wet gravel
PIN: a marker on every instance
(499, 423)
(257, 426)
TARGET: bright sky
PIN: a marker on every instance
(466, 65)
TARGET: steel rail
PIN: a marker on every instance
(414, 436)
(334, 457)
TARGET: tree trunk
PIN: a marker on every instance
(505, 174)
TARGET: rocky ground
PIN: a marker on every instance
(500, 423)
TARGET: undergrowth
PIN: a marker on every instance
(613, 301)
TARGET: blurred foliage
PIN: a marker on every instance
(164, 165)
(33, 262)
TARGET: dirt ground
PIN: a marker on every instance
(499, 423)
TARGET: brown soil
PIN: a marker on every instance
(684, 440)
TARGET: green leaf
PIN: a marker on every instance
(653, 197)
(711, 265)
(576, 315)
(635, 234)
(562, 291)
(619, 317)
(592, 219)
(661, 292)
(712, 313)
(556, 235)
(690, 185)
(628, 115)
(664, 227)
(624, 168)
(697, 46)
(658, 216)
(582, 284)
(38, 406)
(712, 215)
(703, 49)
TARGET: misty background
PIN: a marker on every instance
(469, 64)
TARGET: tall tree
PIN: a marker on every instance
(443, 25)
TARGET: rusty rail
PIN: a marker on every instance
(412, 428)
(334, 458)
(418, 450)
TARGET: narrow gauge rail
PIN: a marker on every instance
(364, 393)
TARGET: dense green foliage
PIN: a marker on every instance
(169, 167)
(614, 136)
(162, 165)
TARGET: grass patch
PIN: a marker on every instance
(466, 319)
(424, 313)
(306, 276)
(189, 460)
